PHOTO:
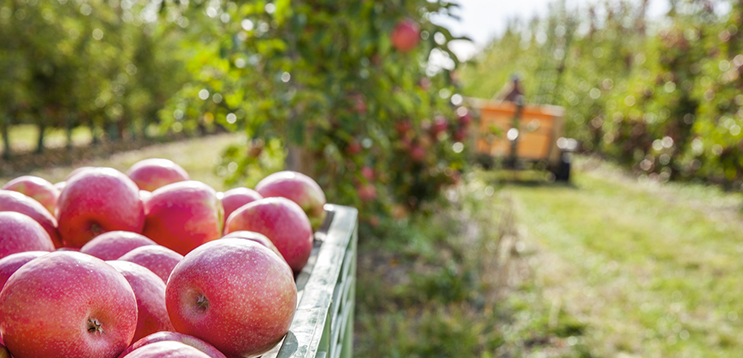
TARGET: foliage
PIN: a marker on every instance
(660, 96)
(323, 78)
(108, 65)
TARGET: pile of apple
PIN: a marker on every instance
(150, 263)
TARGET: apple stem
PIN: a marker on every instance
(202, 302)
(95, 326)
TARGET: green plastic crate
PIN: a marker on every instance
(323, 324)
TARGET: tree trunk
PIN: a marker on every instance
(300, 160)
(40, 141)
(7, 152)
(68, 131)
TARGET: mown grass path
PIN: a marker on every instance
(654, 270)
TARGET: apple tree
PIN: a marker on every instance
(345, 89)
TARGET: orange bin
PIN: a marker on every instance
(539, 128)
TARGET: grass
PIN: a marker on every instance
(201, 158)
(654, 270)
(23, 137)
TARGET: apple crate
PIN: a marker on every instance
(323, 323)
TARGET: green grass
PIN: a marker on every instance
(23, 137)
(201, 158)
(654, 270)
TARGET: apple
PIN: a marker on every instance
(11, 263)
(20, 233)
(167, 349)
(405, 36)
(14, 201)
(158, 259)
(77, 171)
(298, 188)
(184, 215)
(254, 236)
(367, 192)
(283, 222)
(175, 337)
(60, 185)
(154, 173)
(36, 188)
(95, 201)
(67, 304)
(114, 244)
(417, 153)
(235, 294)
(234, 198)
(367, 173)
(144, 195)
(149, 289)
(440, 124)
(354, 147)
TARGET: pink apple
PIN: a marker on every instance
(367, 173)
(95, 201)
(405, 36)
(283, 222)
(36, 188)
(144, 195)
(241, 306)
(11, 263)
(60, 185)
(234, 198)
(151, 174)
(67, 304)
(13, 201)
(158, 259)
(298, 188)
(184, 215)
(77, 171)
(167, 349)
(254, 236)
(175, 337)
(150, 293)
(20, 233)
(114, 244)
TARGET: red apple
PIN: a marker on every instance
(95, 201)
(67, 304)
(158, 259)
(167, 349)
(417, 153)
(254, 236)
(11, 263)
(114, 244)
(20, 233)
(13, 201)
(367, 173)
(144, 195)
(184, 215)
(298, 188)
(354, 147)
(234, 198)
(405, 36)
(367, 192)
(241, 306)
(440, 124)
(175, 337)
(150, 293)
(151, 174)
(283, 222)
(36, 188)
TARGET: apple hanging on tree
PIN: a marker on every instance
(405, 36)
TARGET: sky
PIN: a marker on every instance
(484, 19)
